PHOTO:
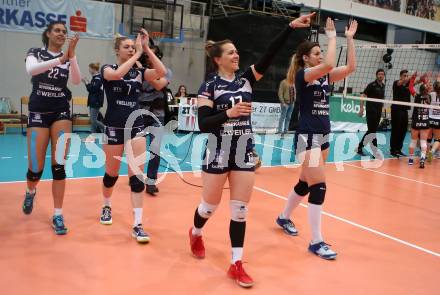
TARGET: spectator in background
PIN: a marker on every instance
(95, 99)
(286, 95)
(181, 93)
(375, 89)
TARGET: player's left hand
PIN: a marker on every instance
(303, 21)
(350, 31)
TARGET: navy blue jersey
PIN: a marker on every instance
(49, 89)
(314, 104)
(96, 92)
(420, 116)
(122, 97)
(225, 94)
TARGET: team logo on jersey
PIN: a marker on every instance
(240, 82)
(133, 74)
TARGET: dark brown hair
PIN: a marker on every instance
(213, 50)
(305, 48)
(49, 28)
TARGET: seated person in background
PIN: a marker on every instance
(180, 93)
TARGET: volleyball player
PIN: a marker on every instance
(224, 108)
(420, 125)
(434, 117)
(313, 75)
(49, 114)
(122, 84)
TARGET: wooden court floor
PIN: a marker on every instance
(384, 223)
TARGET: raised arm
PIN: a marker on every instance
(110, 74)
(277, 43)
(33, 67)
(329, 61)
(74, 72)
(158, 70)
(341, 72)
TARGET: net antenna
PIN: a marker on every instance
(350, 19)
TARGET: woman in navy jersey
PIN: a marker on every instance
(122, 84)
(420, 126)
(49, 114)
(434, 117)
(224, 108)
(312, 78)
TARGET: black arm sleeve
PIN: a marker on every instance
(275, 45)
(209, 120)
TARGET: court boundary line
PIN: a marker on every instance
(288, 166)
(369, 169)
(396, 176)
(358, 225)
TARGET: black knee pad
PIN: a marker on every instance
(301, 188)
(136, 184)
(34, 176)
(109, 181)
(317, 193)
(58, 172)
(437, 140)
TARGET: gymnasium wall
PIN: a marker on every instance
(186, 60)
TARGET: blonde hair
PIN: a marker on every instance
(94, 66)
(290, 76)
(118, 40)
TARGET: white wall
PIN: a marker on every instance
(186, 60)
(15, 82)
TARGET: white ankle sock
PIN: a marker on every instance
(58, 211)
(196, 231)
(107, 202)
(137, 212)
(237, 254)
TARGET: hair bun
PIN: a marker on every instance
(208, 46)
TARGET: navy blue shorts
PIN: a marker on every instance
(420, 125)
(115, 136)
(307, 141)
(434, 124)
(45, 120)
(218, 162)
